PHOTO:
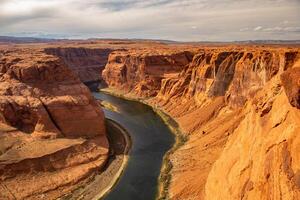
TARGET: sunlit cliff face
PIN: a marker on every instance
(187, 20)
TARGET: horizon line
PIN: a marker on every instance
(148, 39)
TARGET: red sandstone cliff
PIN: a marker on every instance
(239, 107)
(52, 132)
(140, 72)
(88, 63)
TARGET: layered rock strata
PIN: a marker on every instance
(52, 133)
(239, 107)
(88, 63)
(142, 72)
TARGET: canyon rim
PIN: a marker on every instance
(208, 108)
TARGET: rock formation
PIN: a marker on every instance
(239, 107)
(137, 71)
(52, 133)
(88, 63)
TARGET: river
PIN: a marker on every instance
(151, 139)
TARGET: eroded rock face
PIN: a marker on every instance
(88, 63)
(52, 133)
(240, 117)
(291, 83)
(261, 158)
(140, 72)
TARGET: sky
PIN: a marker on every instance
(181, 20)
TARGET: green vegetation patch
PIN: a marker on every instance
(167, 166)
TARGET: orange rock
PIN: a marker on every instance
(260, 159)
(88, 63)
(140, 72)
(237, 104)
(291, 83)
(242, 132)
(52, 132)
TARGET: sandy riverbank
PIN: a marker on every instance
(103, 182)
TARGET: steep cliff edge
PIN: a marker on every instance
(141, 71)
(88, 63)
(261, 158)
(52, 133)
(239, 108)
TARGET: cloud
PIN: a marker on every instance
(282, 29)
(7, 20)
(292, 29)
(188, 20)
(3, 1)
(244, 29)
(257, 28)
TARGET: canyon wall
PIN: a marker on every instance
(52, 133)
(239, 108)
(138, 71)
(88, 63)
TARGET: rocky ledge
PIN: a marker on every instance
(52, 133)
(239, 108)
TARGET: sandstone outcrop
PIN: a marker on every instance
(239, 108)
(52, 133)
(291, 83)
(140, 72)
(88, 63)
(261, 158)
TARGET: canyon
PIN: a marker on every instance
(237, 106)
